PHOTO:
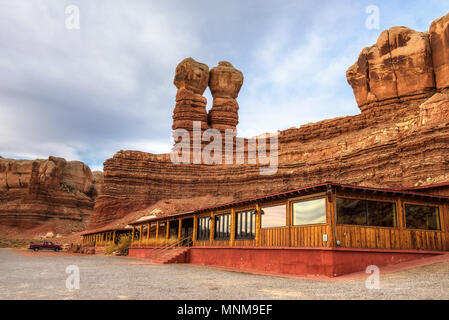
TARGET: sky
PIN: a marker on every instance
(84, 94)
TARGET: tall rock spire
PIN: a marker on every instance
(225, 82)
(191, 79)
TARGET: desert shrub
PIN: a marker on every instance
(123, 245)
(111, 248)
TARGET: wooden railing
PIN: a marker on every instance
(163, 250)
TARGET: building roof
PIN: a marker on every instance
(99, 230)
(323, 187)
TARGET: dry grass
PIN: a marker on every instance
(155, 242)
(16, 243)
(120, 249)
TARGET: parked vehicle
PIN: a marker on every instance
(45, 246)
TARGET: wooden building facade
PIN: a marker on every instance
(328, 229)
(323, 216)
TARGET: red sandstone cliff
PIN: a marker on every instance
(400, 139)
(46, 195)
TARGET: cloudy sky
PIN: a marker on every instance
(84, 94)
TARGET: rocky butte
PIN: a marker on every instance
(400, 138)
(46, 195)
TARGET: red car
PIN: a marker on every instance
(45, 246)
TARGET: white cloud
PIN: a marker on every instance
(85, 94)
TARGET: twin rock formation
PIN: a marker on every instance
(192, 78)
(403, 65)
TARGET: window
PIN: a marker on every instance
(366, 212)
(273, 217)
(422, 217)
(203, 228)
(245, 224)
(223, 227)
(309, 212)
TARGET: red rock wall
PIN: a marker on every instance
(55, 192)
(399, 140)
(403, 65)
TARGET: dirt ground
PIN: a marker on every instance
(43, 275)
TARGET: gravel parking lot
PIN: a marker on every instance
(41, 275)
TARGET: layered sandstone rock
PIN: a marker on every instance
(191, 79)
(396, 145)
(399, 140)
(53, 192)
(97, 183)
(397, 68)
(439, 38)
(225, 83)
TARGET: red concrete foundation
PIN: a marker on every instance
(302, 261)
(330, 262)
(143, 252)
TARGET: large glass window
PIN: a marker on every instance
(422, 217)
(309, 212)
(223, 227)
(274, 217)
(366, 212)
(204, 228)
(245, 224)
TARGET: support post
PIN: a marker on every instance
(157, 230)
(232, 236)
(132, 236)
(167, 231)
(113, 237)
(140, 236)
(148, 232)
(195, 226)
(212, 228)
(258, 223)
(180, 229)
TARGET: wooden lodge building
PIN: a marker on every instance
(328, 229)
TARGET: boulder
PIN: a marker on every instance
(439, 39)
(397, 68)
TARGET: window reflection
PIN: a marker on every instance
(223, 227)
(274, 217)
(366, 212)
(245, 224)
(309, 212)
(422, 217)
(204, 228)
